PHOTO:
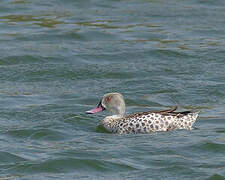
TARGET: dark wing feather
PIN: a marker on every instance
(149, 112)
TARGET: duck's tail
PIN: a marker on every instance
(193, 118)
(185, 120)
(195, 115)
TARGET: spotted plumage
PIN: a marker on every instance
(145, 122)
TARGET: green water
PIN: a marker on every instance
(57, 58)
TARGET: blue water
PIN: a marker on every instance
(57, 59)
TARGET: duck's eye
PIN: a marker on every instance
(108, 99)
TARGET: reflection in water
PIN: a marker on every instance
(41, 21)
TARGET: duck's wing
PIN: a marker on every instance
(171, 110)
(179, 114)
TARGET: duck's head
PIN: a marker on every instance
(112, 102)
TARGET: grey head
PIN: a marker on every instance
(112, 102)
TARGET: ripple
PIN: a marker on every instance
(216, 177)
(38, 134)
(8, 158)
(213, 147)
(71, 165)
(15, 60)
(41, 21)
(220, 131)
(107, 24)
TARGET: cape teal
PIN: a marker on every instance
(143, 122)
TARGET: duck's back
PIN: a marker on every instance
(147, 122)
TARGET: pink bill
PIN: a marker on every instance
(95, 110)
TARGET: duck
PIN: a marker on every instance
(142, 122)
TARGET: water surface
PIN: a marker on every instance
(57, 58)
